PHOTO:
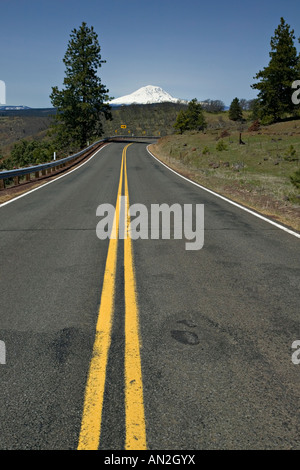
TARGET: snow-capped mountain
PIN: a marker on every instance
(146, 95)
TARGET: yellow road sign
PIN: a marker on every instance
(123, 126)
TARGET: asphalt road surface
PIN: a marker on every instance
(135, 344)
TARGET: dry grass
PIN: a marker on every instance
(256, 174)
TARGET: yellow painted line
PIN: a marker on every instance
(89, 437)
(134, 403)
(90, 432)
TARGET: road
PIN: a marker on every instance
(135, 344)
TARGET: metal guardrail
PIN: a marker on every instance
(44, 166)
(19, 172)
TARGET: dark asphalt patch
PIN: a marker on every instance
(185, 337)
(188, 323)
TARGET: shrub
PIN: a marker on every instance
(291, 152)
(221, 146)
(224, 133)
(255, 126)
(295, 179)
(26, 153)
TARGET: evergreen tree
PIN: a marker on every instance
(181, 123)
(82, 102)
(276, 79)
(191, 119)
(235, 110)
(196, 120)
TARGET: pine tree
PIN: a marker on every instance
(235, 110)
(181, 123)
(82, 102)
(196, 120)
(276, 79)
(191, 119)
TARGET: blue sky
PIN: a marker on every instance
(191, 48)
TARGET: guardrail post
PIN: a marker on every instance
(16, 180)
(2, 184)
(28, 177)
(37, 174)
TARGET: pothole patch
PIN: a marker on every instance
(188, 323)
(185, 337)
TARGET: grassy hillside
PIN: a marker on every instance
(14, 128)
(255, 173)
(152, 119)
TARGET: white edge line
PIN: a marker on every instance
(227, 200)
(52, 181)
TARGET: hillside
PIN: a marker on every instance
(14, 128)
(256, 173)
(148, 119)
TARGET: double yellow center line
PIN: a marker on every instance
(90, 432)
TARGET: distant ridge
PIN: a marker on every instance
(26, 111)
(13, 108)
